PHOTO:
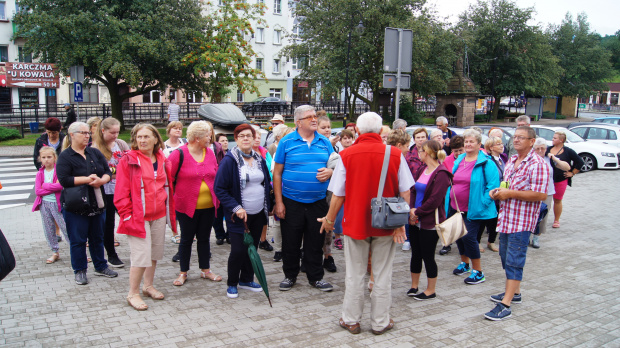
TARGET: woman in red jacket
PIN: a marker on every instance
(143, 198)
(431, 183)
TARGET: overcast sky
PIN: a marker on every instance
(603, 15)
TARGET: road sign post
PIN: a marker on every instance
(78, 97)
(399, 41)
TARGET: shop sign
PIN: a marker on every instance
(32, 75)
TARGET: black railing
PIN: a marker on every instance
(156, 113)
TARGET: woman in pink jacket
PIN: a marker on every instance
(196, 202)
(143, 198)
(48, 189)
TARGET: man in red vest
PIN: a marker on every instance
(354, 183)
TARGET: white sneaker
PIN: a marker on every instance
(406, 246)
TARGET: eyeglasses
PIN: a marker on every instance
(84, 133)
(245, 136)
(313, 117)
(518, 137)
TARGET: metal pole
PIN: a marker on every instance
(346, 79)
(77, 112)
(400, 47)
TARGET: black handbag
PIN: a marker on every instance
(388, 212)
(79, 200)
(7, 259)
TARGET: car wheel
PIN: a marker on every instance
(589, 162)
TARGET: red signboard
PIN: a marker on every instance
(31, 75)
(303, 84)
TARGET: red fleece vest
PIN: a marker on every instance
(363, 162)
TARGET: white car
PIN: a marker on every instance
(601, 133)
(594, 155)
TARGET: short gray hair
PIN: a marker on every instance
(472, 133)
(277, 130)
(400, 123)
(540, 141)
(442, 119)
(369, 122)
(301, 110)
(75, 127)
(435, 132)
(523, 118)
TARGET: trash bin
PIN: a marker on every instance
(34, 127)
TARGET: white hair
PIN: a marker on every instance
(369, 122)
(442, 119)
(400, 123)
(496, 130)
(75, 127)
(540, 141)
(198, 129)
(436, 132)
(277, 130)
(471, 133)
(301, 110)
(523, 118)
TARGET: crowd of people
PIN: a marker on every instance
(308, 190)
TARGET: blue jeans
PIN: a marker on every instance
(512, 250)
(468, 245)
(338, 221)
(81, 229)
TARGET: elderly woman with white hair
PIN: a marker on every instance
(437, 135)
(196, 203)
(540, 147)
(475, 175)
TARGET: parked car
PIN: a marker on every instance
(265, 104)
(594, 155)
(511, 102)
(599, 133)
(610, 119)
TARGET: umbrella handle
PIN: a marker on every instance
(245, 224)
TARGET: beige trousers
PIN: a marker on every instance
(356, 259)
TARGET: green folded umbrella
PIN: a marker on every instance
(257, 264)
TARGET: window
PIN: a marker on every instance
(299, 63)
(239, 96)
(259, 64)
(172, 94)
(2, 10)
(4, 53)
(276, 37)
(193, 97)
(276, 66)
(151, 97)
(545, 133)
(275, 93)
(260, 35)
(597, 133)
(277, 6)
(24, 58)
(580, 131)
(221, 3)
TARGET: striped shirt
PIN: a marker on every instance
(173, 112)
(301, 164)
(532, 174)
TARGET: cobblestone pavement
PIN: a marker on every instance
(570, 295)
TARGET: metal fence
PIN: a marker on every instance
(605, 107)
(156, 113)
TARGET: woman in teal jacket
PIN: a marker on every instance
(475, 174)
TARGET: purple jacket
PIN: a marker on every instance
(42, 188)
(434, 196)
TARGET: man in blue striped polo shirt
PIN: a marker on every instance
(300, 180)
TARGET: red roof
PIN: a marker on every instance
(614, 86)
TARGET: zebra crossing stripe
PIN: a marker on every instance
(14, 197)
(12, 169)
(15, 181)
(4, 160)
(17, 188)
(11, 205)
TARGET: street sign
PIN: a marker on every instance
(77, 73)
(390, 50)
(31, 75)
(389, 81)
(77, 92)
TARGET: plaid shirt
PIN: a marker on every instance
(532, 174)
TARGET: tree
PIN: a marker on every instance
(506, 55)
(585, 63)
(322, 37)
(612, 44)
(222, 50)
(130, 43)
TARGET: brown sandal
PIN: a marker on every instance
(211, 276)
(180, 280)
(152, 293)
(137, 305)
(53, 258)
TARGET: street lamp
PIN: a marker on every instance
(359, 27)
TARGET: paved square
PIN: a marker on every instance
(570, 295)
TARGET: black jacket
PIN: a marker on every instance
(71, 117)
(43, 141)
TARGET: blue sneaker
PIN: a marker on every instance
(476, 277)
(252, 286)
(498, 298)
(500, 312)
(462, 269)
(232, 292)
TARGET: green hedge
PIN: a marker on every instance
(8, 134)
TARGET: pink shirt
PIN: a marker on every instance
(461, 181)
(449, 162)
